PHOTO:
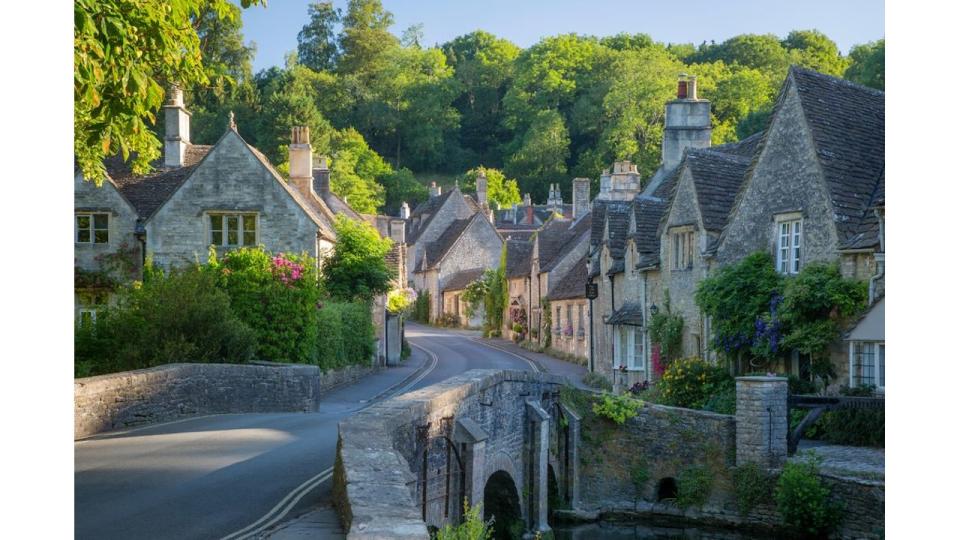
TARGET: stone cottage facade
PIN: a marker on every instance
(809, 188)
(227, 195)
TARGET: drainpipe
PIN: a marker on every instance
(386, 336)
(613, 307)
(140, 233)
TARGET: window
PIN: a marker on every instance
(867, 364)
(568, 323)
(86, 316)
(636, 361)
(788, 246)
(229, 230)
(624, 346)
(580, 329)
(682, 250)
(93, 228)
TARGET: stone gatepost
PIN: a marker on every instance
(470, 436)
(540, 446)
(762, 421)
(572, 473)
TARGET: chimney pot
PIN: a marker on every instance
(404, 210)
(434, 190)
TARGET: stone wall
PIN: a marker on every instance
(661, 440)
(164, 393)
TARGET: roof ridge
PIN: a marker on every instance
(854, 85)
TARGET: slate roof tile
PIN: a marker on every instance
(518, 258)
(460, 280)
(148, 192)
(438, 249)
(573, 284)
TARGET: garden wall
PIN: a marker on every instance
(131, 398)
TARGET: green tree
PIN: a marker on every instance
(543, 153)
(317, 42)
(354, 171)
(366, 37)
(867, 64)
(125, 53)
(500, 190)
(401, 186)
(357, 268)
(764, 52)
(483, 66)
(627, 42)
(812, 49)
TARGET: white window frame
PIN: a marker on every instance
(224, 215)
(879, 353)
(92, 239)
(85, 310)
(789, 243)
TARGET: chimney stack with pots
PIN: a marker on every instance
(177, 128)
(301, 159)
(321, 177)
(581, 197)
(687, 123)
(434, 190)
(404, 210)
(482, 189)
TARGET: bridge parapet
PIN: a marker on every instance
(412, 460)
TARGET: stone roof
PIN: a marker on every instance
(460, 280)
(148, 192)
(438, 249)
(572, 236)
(573, 284)
(630, 313)
(717, 177)
(518, 258)
(617, 213)
(430, 207)
(550, 239)
(847, 122)
(746, 147)
(510, 234)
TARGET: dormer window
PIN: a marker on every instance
(681, 246)
(92, 228)
(789, 241)
(233, 230)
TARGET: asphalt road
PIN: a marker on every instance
(208, 477)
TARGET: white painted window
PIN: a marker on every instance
(86, 316)
(233, 230)
(636, 358)
(92, 228)
(789, 240)
(867, 364)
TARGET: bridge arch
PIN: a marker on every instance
(501, 501)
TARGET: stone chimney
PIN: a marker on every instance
(301, 159)
(581, 197)
(434, 190)
(529, 217)
(176, 121)
(687, 123)
(526, 200)
(404, 210)
(620, 185)
(321, 177)
(482, 189)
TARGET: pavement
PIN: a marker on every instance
(856, 462)
(239, 476)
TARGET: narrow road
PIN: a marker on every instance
(209, 477)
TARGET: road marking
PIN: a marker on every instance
(533, 366)
(291, 499)
(304, 487)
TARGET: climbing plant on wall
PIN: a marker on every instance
(666, 330)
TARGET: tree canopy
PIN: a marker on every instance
(357, 268)
(566, 106)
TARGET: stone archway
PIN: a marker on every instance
(501, 501)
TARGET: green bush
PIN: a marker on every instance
(178, 317)
(804, 502)
(421, 307)
(346, 334)
(276, 296)
(618, 408)
(752, 486)
(724, 400)
(472, 528)
(693, 486)
(448, 320)
(691, 382)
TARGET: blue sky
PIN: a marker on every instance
(848, 22)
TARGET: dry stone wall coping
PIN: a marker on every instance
(163, 393)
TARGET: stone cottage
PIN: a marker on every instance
(815, 192)
(227, 195)
(517, 274)
(571, 312)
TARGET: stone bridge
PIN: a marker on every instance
(497, 437)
